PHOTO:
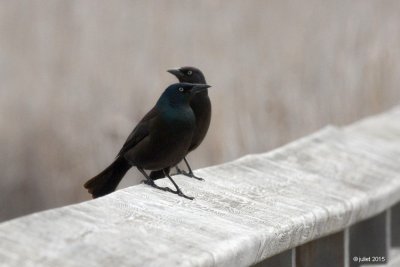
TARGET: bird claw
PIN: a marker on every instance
(181, 194)
(191, 175)
(152, 184)
(166, 189)
(188, 174)
(149, 182)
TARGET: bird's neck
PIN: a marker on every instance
(166, 104)
(181, 114)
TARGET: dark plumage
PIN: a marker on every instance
(159, 141)
(201, 106)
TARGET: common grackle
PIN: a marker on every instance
(159, 141)
(201, 106)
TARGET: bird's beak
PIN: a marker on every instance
(199, 88)
(177, 72)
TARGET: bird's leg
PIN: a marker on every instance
(178, 190)
(155, 175)
(190, 173)
(151, 182)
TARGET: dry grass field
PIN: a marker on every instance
(76, 76)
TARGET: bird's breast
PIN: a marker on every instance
(179, 118)
(169, 140)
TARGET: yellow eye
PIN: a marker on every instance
(180, 89)
(189, 72)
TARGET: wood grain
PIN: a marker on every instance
(246, 211)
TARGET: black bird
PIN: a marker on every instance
(159, 141)
(201, 106)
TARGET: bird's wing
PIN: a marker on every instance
(140, 132)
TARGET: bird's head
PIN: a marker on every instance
(181, 93)
(188, 75)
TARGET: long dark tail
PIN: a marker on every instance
(108, 180)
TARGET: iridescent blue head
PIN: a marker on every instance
(181, 93)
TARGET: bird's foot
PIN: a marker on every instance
(181, 194)
(178, 170)
(167, 189)
(153, 184)
(191, 175)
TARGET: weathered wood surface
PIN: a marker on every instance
(246, 211)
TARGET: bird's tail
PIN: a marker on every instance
(108, 180)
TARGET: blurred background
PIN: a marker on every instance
(76, 77)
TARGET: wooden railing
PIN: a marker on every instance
(329, 199)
